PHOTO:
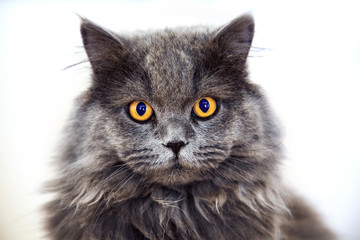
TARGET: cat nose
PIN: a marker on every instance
(175, 146)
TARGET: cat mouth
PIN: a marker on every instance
(177, 172)
(176, 166)
(178, 163)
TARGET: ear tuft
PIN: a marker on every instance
(103, 48)
(237, 36)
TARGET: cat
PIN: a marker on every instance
(173, 141)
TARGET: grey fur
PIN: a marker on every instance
(117, 178)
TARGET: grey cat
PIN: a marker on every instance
(172, 141)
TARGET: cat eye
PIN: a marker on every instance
(140, 111)
(204, 107)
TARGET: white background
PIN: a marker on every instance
(309, 69)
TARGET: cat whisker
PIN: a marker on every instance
(234, 170)
(218, 173)
(249, 167)
(136, 151)
(75, 64)
(216, 147)
(209, 154)
(141, 158)
(97, 215)
(121, 184)
(105, 181)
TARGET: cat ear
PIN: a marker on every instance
(234, 40)
(103, 48)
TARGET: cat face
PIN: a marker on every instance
(176, 107)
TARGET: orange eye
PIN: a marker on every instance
(204, 107)
(140, 111)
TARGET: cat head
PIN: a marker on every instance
(173, 107)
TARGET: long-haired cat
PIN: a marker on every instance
(172, 141)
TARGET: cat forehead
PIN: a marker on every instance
(170, 62)
(169, 70)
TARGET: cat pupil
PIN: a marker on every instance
(204, 105)
(141, 108)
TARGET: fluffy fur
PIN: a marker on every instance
(118, 180)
